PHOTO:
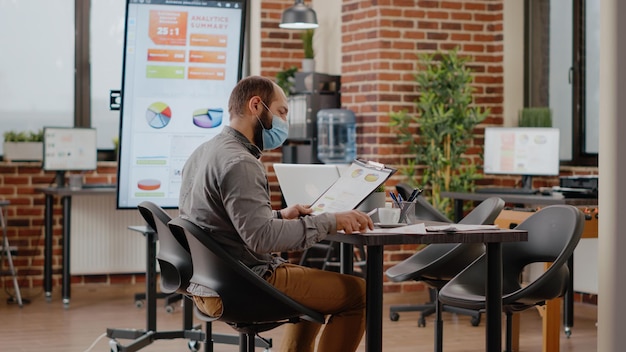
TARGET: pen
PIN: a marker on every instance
(400, 200)
(372, 212)
(393, 197)
(416, 192)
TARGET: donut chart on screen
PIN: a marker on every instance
(149, 184)
(158, 115)
(208, 118)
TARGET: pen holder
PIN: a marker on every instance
(407, 212)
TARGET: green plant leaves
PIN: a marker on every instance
(438, 136)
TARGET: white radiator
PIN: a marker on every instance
(100, 241)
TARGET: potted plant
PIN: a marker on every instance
(308, 63)
(438, 136)
(286, 79)
(23, 146)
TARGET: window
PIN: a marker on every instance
(562, 68)
(36, 65)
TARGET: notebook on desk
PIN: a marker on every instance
(304, 183)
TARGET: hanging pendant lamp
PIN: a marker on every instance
(299, 16)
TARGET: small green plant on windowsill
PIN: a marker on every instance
(535, 117)
(23, 136)
(22, 146)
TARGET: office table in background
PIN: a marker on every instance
(375, 242)
(66, 194)
(535, 199)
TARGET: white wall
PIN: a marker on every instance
(612, 166)
(513, 60)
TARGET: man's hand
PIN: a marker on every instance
(295, 211)
(353, 221)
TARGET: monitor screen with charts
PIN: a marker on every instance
(304, 183)
(525, 151)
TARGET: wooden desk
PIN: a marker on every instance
(460, 197)
(66, 201)
(375, 242)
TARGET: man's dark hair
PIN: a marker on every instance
(246, 89)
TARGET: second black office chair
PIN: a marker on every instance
(553, 234)
(437, 264)
(174, 261)
(250, 304)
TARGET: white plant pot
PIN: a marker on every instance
(308, 65)
(22, 151)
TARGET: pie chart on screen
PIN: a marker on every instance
(149, 184)
(208, 118)
(158, 115)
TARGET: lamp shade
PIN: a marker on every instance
(299, 16)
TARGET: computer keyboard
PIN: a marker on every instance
(507, 190)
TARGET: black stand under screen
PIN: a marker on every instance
(59, 179)
(527, 182)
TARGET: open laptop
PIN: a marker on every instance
(304, 183)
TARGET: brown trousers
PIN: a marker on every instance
(339, 296)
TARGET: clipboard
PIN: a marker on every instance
(357, 182)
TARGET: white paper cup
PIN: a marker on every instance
(388, 216)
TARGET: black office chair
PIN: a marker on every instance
(250, 305)
(553, 233)
(174, 261)
(436, 264)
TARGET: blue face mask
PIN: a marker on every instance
(277, 135)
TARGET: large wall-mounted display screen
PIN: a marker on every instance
(181, 61)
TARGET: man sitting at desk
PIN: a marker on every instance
(225, 191)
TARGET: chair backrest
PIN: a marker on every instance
(484, 213)
(553, 234)
(442, 261)
(246, 297)
(173, 256)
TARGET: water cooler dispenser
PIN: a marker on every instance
(336, 136)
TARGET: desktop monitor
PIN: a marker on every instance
(69, 149)
(525, 151)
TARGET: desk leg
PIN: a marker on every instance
(458, 210)
(67, 208)
(47, 261)
(151, 294)
(568, 300)
(494, 297)
(346, 258)
(374, 305)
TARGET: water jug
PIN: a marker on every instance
(336, 136)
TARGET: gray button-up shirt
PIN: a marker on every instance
(225, 191)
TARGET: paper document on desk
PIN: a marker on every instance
(460, 227)
(358, 181)
(415, 229)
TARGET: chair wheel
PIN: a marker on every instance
(169, 308)
(394, 316)
(421, 322)
(194, 346)
(138, 303)
(475, 320)
(568, 332)
(115, 347)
